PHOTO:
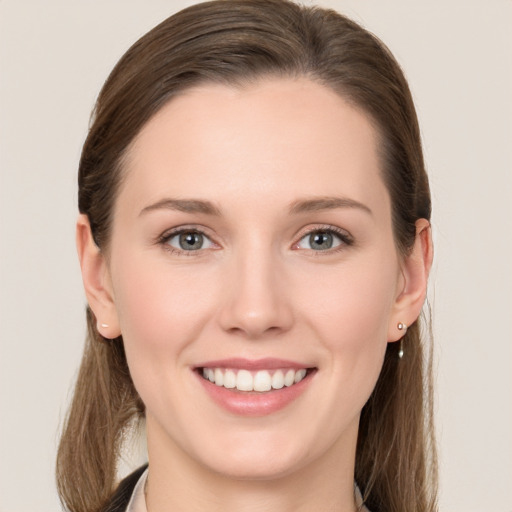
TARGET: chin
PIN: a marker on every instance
(251, 469)
(257, 457)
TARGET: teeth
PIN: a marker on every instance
(299, 375)
(230, 379)
(278, 380)
(219, 377)
(244, 381)
(261, 381)
(289, 378)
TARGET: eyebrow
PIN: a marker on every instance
(326, 203)
(297, 207)
(183, 205)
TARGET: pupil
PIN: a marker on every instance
(190, 241)
(321, 241)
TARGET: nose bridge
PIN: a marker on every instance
(256, 301)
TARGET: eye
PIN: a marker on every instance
(189, 240)
(323, 240)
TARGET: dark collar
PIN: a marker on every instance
(124, 491)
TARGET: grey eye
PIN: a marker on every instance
(321, 240)
(189, 241)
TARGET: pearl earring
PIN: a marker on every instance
(104, 326)
(401, 349)
(401, 327)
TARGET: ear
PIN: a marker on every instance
(413, 285)
(96, 279)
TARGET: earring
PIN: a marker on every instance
(401, 327)
(104, 326)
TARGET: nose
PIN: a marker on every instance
(256, 296)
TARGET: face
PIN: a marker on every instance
(254, 276)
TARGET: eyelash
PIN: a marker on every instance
(168, 235)
(344, 237)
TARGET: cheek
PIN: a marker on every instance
(350, 310)
(160, 312)
(354, 303)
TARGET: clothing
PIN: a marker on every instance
(125, 491)
(138, 500)
(130, 496)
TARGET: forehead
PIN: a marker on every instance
(278, 137)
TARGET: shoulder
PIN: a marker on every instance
(124, 491)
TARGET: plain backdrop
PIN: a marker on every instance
(457, 55)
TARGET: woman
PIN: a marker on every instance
(255, 244)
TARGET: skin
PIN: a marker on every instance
(257, 289)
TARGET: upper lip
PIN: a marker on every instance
(267, 363)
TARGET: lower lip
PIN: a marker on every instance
(254, 403)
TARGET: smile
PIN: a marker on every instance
(260, 381)
(254, 387)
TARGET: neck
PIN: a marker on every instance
(179, 482)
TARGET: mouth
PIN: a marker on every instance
(248, 387)
(260, 381)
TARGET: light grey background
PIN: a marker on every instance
(54, 57)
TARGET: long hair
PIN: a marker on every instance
(236, 42)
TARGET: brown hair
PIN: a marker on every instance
(236, 42)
